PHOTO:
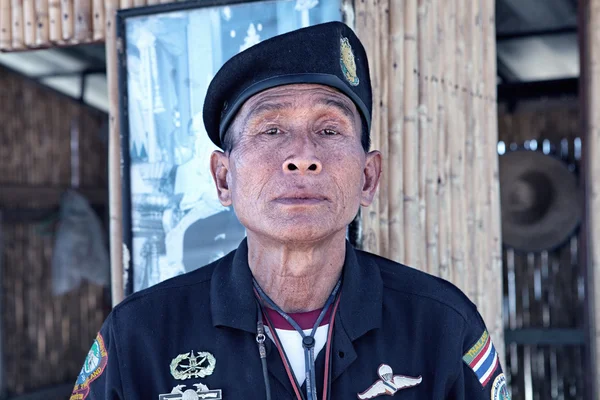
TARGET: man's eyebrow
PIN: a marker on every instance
(264, 107)
(340, 105)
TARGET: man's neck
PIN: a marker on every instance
(296, 277)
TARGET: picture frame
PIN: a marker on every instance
(173, 222)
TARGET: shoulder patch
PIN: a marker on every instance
(93, 367)
(482, 358)
(499, 389)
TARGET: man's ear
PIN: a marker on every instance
(219, 168)
(371, 175)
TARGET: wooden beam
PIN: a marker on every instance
(589, 16)
(114, 156)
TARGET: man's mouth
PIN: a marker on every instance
(301, 198)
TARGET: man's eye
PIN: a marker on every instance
(272, 131)
(329, 132)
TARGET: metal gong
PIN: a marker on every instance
(540, 201)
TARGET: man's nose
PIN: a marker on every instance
(304, 163)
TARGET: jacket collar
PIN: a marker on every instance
(233, 303)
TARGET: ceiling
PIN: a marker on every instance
(536, 41)
(77, 71)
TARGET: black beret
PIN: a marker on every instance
(328, 54)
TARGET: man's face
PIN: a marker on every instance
(297, 171)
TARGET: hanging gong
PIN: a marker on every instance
(540, 201)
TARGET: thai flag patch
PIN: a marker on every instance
(482, 359)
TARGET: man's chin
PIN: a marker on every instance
(300, 233)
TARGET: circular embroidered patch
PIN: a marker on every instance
(93, 366)
(499, 388)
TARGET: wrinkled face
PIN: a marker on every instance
(297, 171)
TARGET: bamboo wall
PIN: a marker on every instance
(435, 121)
(29, 24)
(589, 14)
(44, 337)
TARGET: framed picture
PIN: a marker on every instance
(173, 221)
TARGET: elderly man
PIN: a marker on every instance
(295, 312)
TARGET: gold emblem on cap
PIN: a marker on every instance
(347, 62)
(188, 366)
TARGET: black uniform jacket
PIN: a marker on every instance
(419, 325)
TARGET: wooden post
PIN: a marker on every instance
(17, 24)
(5, 25)
(114, 156)
(55, 21)
(42, 33)
(589, 15)
(83, 20)
(66, 8)
(29, 18)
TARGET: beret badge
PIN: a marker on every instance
(347, 62)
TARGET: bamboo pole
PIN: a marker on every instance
(83, 20)
(479, 167)
(444, 204)
(17, 24)
(42, 33)
(365, 28)
(469, 131)
(126, 3)
(459, 211)
(98, 20)
(66, 8)
(153, 2)
(432, 177)
(29, 19)
(114, 156)
(423, 139)
(5, 25)
(55, 21)
(492, 284)
(381, 8)
(489, 154)
(371, 21)
(139, 3)
(412, 227)
(395, 139)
